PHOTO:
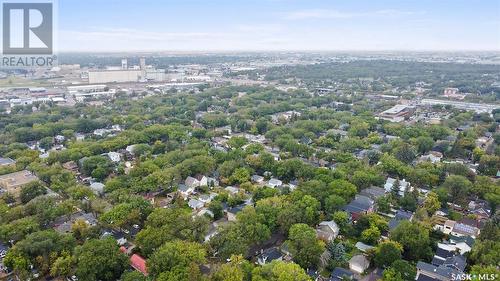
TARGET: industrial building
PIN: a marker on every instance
(126, 73)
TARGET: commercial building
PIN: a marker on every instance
(397, 113)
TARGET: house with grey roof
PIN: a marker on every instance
(195, 204)
(429, 272)
(400, 216)
(6, 161)
(327, 231)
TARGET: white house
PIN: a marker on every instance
(403, 186)
(274, 183)
(115, 157)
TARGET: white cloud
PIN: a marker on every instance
(335, 14)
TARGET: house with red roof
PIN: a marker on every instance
(139, 264)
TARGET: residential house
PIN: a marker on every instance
(139, 263)
(480, 208)
(232, 190)
(115, 157)
(361, 205)
(359, 264)
(205, 212)
(257, 179)
(327, 231)
(363, 247)
(195, 204)
(400, 216)
(192, 182)
(446, 254)
(70, 166)
(443, 224)
(185, 190)
(341, 274)
(207, 181)
(232, 212)
(274, 183)
(403, 186)
(463, 244)
(462, 229)
(433, 157)
(65, 226)
(6, 162)
(373, 192)
(429, 272)
(207, 198)
(213, 228)
(268, 255)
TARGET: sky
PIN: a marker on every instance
(278, 25)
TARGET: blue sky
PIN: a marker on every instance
(233, 25)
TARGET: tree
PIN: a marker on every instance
(133, 276)
(280, 271)
(62, 266)
(334, 203)
(252, 225)
(407, 270)
(32, 190)
(486, 252)
(431, 203)
(176, 255)
(489, 165)
(490, 271)
(99, 260)
(304, 245)
(424, 144)
(395, 188)
(228, 272)
(414, 238)
(386, 253)
(405, 153)
(391, 275)
(164, 225)
(458, 187)
(370, 235)
(217, 209)
(384, 204)
(237, 142)
(240, 175)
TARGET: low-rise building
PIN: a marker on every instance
(13, 182)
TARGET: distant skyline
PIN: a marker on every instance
(278, 25)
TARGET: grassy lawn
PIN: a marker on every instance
(12, 81)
